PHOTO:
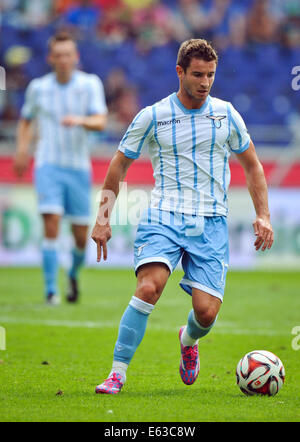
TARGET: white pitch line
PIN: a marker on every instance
(226, 329)
(57, 322)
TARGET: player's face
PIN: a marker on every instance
(198, 79)
(63, 57)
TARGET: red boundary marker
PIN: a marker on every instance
(140, 173)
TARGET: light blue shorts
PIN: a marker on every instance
(64, 191)
(200, 242)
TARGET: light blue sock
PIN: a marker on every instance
(194, 329)
(132, 329)
(50, 264)
(78, 256)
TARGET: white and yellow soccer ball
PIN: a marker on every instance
(260, 372)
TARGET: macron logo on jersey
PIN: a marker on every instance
(166, 123)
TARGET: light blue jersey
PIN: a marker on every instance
(189, 151)
(49, 102)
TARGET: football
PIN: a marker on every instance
(260, 372)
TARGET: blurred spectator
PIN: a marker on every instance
(189, 19)
(290, 29)
(238, 30)
(36, 12)
(122, 102)
(195, 19)
(8, 5)
(139, 4)
(151, 26)
(26, 13)
(284, 8)
(61, 6)
(115, 84)
(126, 108)
(228, 24)
(262, 24)
(108, 4)
(85, 14)
(115, 26)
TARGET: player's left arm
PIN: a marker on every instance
(258, 190)
(95, 118)
(95, 122)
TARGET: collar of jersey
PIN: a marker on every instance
(190, 111)
(65, 85)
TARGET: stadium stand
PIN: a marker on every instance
(258, 44)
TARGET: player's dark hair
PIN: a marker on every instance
(60, 36)
(195, 48)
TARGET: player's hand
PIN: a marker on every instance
(72, 120)
(21, 163)
(101, 234)
(264, 233)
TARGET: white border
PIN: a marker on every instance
(154, 259)
(52, 210)
(202, 287)
(78, 220)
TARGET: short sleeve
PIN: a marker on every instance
(97, 103)
(239, 139)
(138, 134)
(29, 109)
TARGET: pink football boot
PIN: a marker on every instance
(189, 362)
(112, 385)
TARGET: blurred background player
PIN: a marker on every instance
(66, 104)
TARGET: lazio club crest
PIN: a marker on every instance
(217, 120)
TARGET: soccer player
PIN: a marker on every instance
(190, 136)
(66, 103)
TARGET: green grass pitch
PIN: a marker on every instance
(56, 356)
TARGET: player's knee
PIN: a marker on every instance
(148, 291)
(80, 236)
(206, 316)
(80, 243)
(51, 231)
(51, 226)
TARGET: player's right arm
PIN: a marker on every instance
(116, 174)
(137, 135)
(25, 129)
(24, 139)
